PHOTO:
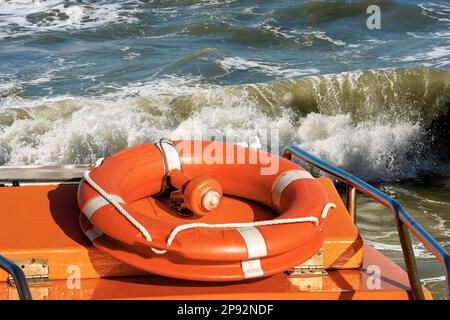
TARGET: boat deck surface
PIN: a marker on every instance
(41, 221)
(336, 285)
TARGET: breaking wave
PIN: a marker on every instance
(382, 124)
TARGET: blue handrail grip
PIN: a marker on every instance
(399, 213)
(432, 245)
(422, 234)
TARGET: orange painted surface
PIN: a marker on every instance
(338, 284)
(343, 246)
(42, 221)
(46, 225)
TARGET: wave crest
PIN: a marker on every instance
(382, 125)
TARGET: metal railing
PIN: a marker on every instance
(403, 220)
(20, 280)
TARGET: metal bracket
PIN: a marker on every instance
(174, 201)
(35, 270)
(312, 267)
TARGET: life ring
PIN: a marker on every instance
(198, 251)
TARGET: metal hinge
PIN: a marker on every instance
(35, 270)
(311, 267)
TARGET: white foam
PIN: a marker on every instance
(236, 124)
(8, 88)
(418, 252)
(422, 35)
(59, 15)
(40, 80)
(434, 54)
(426, 281)
(278, 31)
(323, 36)
(79, 131)
(167, 86)
(230, 64)
(211, 3)
(375, 151)
(436, 11)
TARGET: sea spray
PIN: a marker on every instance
(376, 123)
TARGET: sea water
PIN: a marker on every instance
(81, 80)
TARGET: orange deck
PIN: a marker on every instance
(338, 284)
(42, 221)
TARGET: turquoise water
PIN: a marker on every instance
(84, 79)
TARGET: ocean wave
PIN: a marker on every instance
(418, 251)
(437, 56)
(8, 89)
(19, 17)
(369, 149)
(315, 13)
(285, 22)
(318, 12)
(438, 11)
(268, 33)
(384, 125)
(230, 64)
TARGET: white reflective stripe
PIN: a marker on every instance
(96, 203)
(93, 233)
(284, 180)
(256, 245)
(171, 155)
(256, 248)
(252, 269)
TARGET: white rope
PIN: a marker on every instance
(327, 207)
(117, 205)
(183, 227)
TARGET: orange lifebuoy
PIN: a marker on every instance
(197, 251)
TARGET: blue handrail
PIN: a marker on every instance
(19, 277)
(402, 218)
